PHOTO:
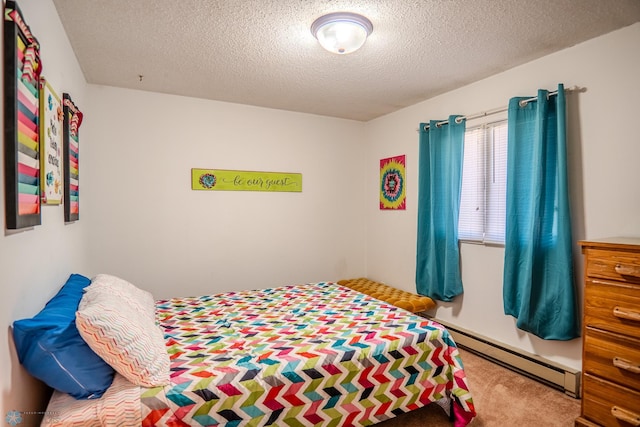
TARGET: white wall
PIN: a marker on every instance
(603, 163)
(148, 226)
(35, 262)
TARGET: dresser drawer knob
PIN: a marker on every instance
(623, 313)
(627, 270)
(626, 416)
(626, 365)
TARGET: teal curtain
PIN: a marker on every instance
(539, 289)
(439, 185)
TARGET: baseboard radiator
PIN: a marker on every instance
(535, 367)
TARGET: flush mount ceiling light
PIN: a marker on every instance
(341, 32)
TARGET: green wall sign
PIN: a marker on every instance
(229, 180)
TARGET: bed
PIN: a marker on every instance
(306, 355)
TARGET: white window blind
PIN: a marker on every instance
(484, 184)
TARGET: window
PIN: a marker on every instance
(484, 184)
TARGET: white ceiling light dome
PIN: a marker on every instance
(341, 32)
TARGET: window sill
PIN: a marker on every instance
(478, 242)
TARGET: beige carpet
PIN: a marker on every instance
(503, 399)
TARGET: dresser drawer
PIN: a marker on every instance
(614, 265)
(608, 404)
(612, 306)
(613, 357)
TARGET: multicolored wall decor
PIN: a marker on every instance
(392, 183)
(51, 140)
(72, 119)
(22, 68)
(232, 180)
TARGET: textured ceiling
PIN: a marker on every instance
(261, 52)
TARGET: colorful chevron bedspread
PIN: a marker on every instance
(305, 355)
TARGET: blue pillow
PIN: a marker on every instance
(50, 347)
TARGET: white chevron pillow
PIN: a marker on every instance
(139, 298)
(125, 337)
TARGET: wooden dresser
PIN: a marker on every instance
(611, 333)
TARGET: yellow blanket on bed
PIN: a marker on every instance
(403, 299)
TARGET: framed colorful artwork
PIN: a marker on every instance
(51, 144)
(72, 119)
(392, 183)
(22, 68)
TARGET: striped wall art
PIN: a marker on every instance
(72, 119)
(22, 68)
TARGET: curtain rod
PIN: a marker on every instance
(522, 103)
